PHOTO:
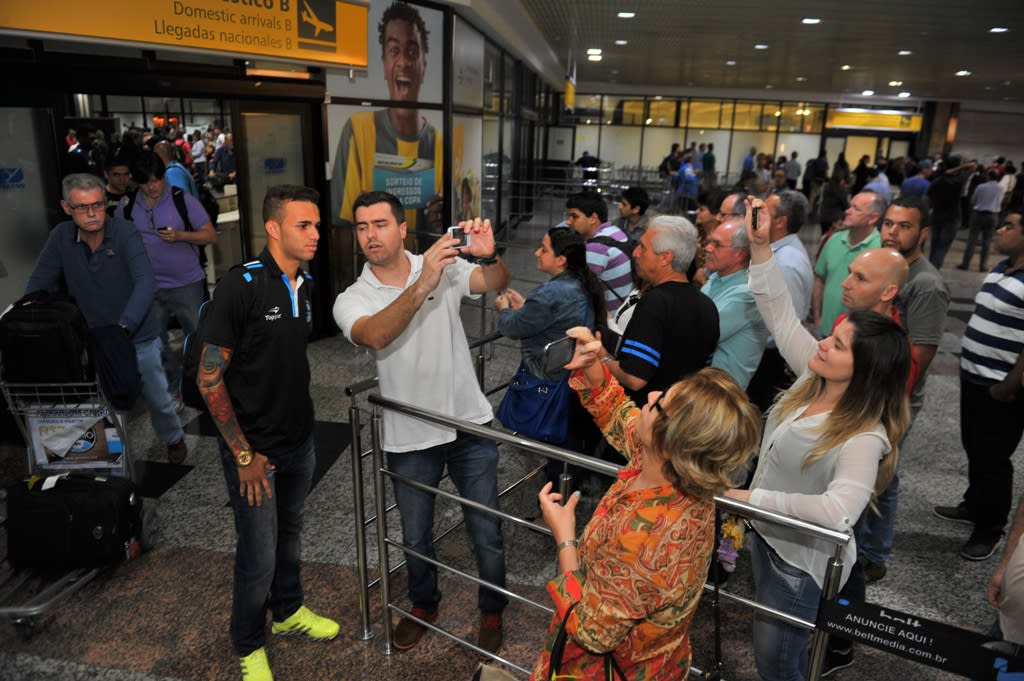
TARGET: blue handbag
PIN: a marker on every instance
(537, 407)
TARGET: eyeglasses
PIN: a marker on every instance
(97, 207)
(657, 404)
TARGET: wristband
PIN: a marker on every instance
(567, 542)
(489, 260)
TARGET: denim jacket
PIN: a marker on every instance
(550, 309)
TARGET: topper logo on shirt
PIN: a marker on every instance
(273, 314)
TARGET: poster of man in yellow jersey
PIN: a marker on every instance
(398, 149)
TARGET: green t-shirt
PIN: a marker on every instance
(833, 266)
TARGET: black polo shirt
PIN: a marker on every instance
(673, 333)
(255, 313)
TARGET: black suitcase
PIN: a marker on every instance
(72, 521)
(44, 339)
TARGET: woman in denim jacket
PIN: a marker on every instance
(573, 296)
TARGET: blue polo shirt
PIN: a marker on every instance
(112, 285)
(742, 334)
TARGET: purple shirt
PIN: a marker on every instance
(174, 264)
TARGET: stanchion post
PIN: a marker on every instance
(376, 431)
(365, 632)
(819, 639)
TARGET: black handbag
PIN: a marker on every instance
(612, 670)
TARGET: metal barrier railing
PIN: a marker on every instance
(830, 586)
(363, 583)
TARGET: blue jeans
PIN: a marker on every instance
(183, 302)
(268, 550)
(473, 466)
(154, 390)
(943, 234)
(780, 649)
(983, 223)
(874, 531)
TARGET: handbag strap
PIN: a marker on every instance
(612, 670)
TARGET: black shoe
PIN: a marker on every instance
(961, 267)
(957, 514)
(980, 546)
(836, 660)
(873, 571)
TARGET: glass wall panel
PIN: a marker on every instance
(802, 117)
(806, 146)
(741, 143)
(706, 114)
(751, 115)
(620, 147)
(588, 138)
(657, 143)
(492, 78)
(623, 111)
(490, 174)
(663, 112)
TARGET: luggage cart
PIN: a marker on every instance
(49, 413)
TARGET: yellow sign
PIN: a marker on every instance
(322, 31)
(866, 119)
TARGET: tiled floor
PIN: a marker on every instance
(165, 615)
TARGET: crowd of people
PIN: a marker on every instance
(700, 348)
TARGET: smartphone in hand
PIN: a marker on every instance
(462, 236)
(558, 353)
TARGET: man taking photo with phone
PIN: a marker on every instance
(401, 305)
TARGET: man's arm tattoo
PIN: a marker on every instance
(212, 365)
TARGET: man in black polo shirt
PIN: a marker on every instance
(675, 329)
(254, 376)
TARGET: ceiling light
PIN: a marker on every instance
(846, 67)
(810, 21)
(868, 93)
(621, 42)
(649, 121)
(730, 62)
(768, 86)
(778, 114)
(903, 95)
(760, 46)
(895, 83)
(800, 79)
(963, 72)
(998, 29)
(904, 53)
(594, 57)
(627, 15)
(594, 50)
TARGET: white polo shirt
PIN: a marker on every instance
(429, 364)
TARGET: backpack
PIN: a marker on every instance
(192, 351)
(627, 247)
(178, 196)
(44, 339)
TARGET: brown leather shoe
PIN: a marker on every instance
(409, 632)
(873, 571)
(177, 452)
(490, 636)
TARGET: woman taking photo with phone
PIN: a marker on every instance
(573, 296)
(628, 589)
(829, 445)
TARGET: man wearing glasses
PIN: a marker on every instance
(105, 267)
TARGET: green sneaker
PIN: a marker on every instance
(255, 666)
(305, 622)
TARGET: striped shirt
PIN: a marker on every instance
(995, 333)
(611, 265)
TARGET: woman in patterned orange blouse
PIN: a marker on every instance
(638, 571)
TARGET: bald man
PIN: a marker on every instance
(175, 173)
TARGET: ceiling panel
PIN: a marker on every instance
(686, 43)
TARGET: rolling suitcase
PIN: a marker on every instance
(72, 521)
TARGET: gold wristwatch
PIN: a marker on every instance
(244, 457)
